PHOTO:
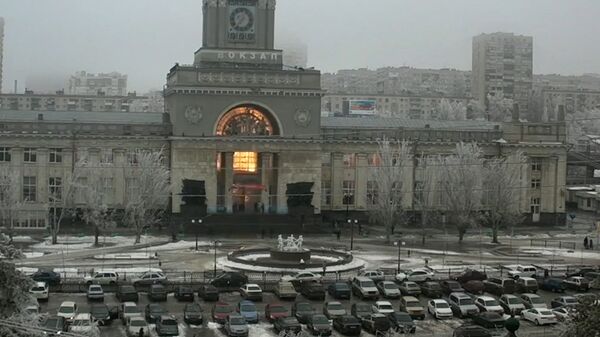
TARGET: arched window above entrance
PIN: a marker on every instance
(246, 121)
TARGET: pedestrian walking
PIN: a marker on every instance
(141, 332)
(585, 242)
(591, 244)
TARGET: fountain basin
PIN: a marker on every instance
(290, 256)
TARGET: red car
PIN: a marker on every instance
(274, 311)
(220, 312)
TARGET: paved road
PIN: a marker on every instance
(428, 327)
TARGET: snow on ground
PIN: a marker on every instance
(547, 251)
(125, 256)
(23, 238)
(33, 254)
(459, 268)
(75, 243)
(224, 263)
(27, 270)
(182, 244)
(82, 272)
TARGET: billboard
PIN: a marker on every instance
(362, 107)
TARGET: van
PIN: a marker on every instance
(157, 292)
(499, 286)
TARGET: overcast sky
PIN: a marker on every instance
(144, 38)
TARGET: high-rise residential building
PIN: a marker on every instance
(110, 84)
(503, 66)
(1, 48)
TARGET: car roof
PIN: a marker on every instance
(251, 285)
(460, 295)
(439, 300)
(40, 284)
(530, 295)
(67, 304)
(362, 278)
(246, 302)
(129, 304)
(83, 315)
(510, 295)
(412, 298)
(333, 302)
(527, 278)
(383, 302)
(486, 298)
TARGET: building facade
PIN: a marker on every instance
(109, 84)
(243, 135)
(503, 66)
(1, 49)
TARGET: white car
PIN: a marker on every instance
(375, 275)
(149, 278)
(83, 324)
(539, 316)
(563, 313)
(382, 307)
(103, 277)
(488, 303)
(523, 270)
(251, 292)
(67, 310)
(439, 309)
(33, 309)
(415, 275)
(95, 292)
(39, 290)
(134, 324)
(128, 310)
(303, 277)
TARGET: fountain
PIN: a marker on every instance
(290, 250)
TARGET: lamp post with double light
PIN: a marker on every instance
(196, 229)
(399, 243)
(351, 223)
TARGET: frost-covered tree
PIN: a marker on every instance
(584, 320)
(499, 109)
(451, 111)
(148, 190)
(427, 193)
(10, 197)
(95, 210)
(502, 183)
(393, 163)
(461, 180)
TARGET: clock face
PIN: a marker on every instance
(242, 23)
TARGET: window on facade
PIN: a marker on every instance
(4, 154)
(29, 155)
(348, 188)
(372, 192)
(535, 205)
(55, 155)
(536, 165)
(79, 189)
(419, 192)
(349, 160)
(326, 159)
(106, 156)
(55, 189)
(326, 192)
(107, 189)
(373, 159)
(29, 188)
(536, 183)
(132, 157)
(245, 162)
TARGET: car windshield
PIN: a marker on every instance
(411, 285)
(223, 309)
(303, 307)
(441, 305)
(248, 307)
(386, 307)
(434, 286)
(453, 285)
(335, 306)
(237, 321)
(137, 322)
(570, 300)
(466, 301)
(363, 307)
(290, 320)
(66, 310)
(536, 300)
(367, 284)
(545, 312)
(513, 300)
(411, 303)
(253, 288)
(127, 289)
(491, 303)
(99, 310)
(95, 288)
(278, 308)
(81, 322)
(390, 286)
(350, 320)
(37, 289)
(157, 309)
(193, 308)
(168, 321)
(320, 319)
(131, 310)
(342, 286)
(402, 318)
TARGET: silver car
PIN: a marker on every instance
(236, 326)
(462, 305)
(95, 292)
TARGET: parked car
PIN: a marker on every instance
(364, 288)
(153, 312)
(95, 292)
(415, 275)
(409, 288)
(347, 325)
(462, 305)
(511, 304)
(208, 292)
(289, 325)
(319, 325)
(532, 301)
(67, 310)
(527, 285)
(100, 314)
(252, 292)
(248, 310)
(401, 322)
(523, 271)
(499, 286)
(229, 280)
(382, 307)
(83, 324)
(412, 306)
(127, 293)
(587, 299)
(439, 309)
(470, 275)
(360, 309)
(167, 326)
(474, 287)
(376, 323)
(302, 277)
(388, 289)
(489, 320)
(236, 326)
(431, 290)
(577, 283)
(220, 311)
(488, 304)
(469, 330)
(183, 293)
(157, 292)
(551, 284)
(302, 311)
(449, 286)
(192, 314)
(274, 311)
(49, 277)
(313, 291)
(128, 310)
(285, 290)
(580, 271)
(339, 290)
(150, 277)
(563, 313)
(333, 309)
(564, 301)
(539, 316)
(375, 275)
(40, 291)
(54, 324)
(135, 324)
(103, 277)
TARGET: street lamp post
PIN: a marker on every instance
(215, 260)
(196, 230)
(399, 243)
(352, 223)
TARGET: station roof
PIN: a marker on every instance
(81, 117)
(394, 123)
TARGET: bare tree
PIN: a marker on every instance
(427, 193)
(10, 197)
(502, 182)
(499, 108)
(61, 197)
(461, 180)
(148, 190)
(451, 111)
(95, 210)
(389, 176)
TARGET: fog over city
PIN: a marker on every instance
(45, 40)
